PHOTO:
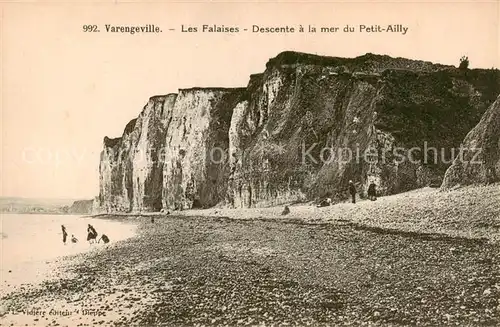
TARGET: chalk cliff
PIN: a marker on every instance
(479, 162)
(299, 131)
(131, 167)
(195, 172)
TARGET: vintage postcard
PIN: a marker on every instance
(257, 163)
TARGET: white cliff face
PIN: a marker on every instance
(237, 126)
(163, 159)
(122, 169)
(141, 165)
(185, 156)
(116, 183)
(147, 161)
(196, 158)
(130, 172)
(105, 168)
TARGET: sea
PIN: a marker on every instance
(31, 241)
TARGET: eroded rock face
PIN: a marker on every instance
(115, 170)
(131, 167)
(195, 173)
(148, 157)
(479, 162)
(309, 125)
(285, 137)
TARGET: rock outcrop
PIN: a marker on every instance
(81, 207)
(299, 131)
(479, 160)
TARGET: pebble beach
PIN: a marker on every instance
(217, 271)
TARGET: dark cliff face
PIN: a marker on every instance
(298, 131)
(480, 160)
(429, 112)
(310, 124)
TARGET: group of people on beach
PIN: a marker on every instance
(371, 192)
(91, 235)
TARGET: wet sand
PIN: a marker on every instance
(216, 271)
(32, 249)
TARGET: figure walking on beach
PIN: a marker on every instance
(92, 234)
(352, 191)
(65, 234)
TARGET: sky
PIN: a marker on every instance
(63, 90)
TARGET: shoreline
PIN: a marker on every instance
(451, 215)
(216, 271)
(19, 273)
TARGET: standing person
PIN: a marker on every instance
(65, 234)
(372, 191)
(352, 191)
(92, 234)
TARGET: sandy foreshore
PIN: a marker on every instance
(201, 270)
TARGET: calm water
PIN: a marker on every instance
(28, 238)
